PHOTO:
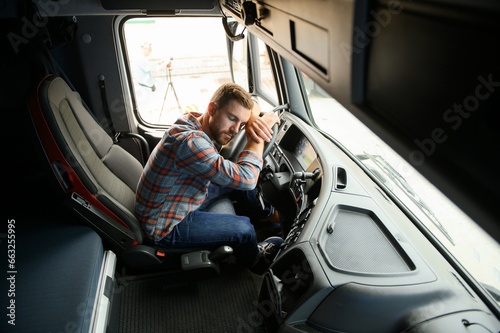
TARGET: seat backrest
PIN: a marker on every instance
(99, 176)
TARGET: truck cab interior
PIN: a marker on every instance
(382, 166)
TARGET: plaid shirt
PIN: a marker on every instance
(181, 167)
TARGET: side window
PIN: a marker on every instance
(175, 65)
(264, 88)
(265, 82)
(240, 62)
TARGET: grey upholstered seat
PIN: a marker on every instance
(108, 171)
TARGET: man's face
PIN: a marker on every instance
(226, 122)
(146, 50)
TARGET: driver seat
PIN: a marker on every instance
(98, 178)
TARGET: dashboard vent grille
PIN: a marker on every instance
(359, 243)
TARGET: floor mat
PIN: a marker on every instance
(223, 303)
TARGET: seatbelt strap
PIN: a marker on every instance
(116, 135)
(105, 106)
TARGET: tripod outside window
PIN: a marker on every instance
(170, 86)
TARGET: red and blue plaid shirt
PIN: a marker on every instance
(176, 178)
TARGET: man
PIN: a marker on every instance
(186, 177)
(144, 67)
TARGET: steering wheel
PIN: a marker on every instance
(236, 145)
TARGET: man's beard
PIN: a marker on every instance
(224, 138)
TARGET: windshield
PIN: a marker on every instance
(474, 249)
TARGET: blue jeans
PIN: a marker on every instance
(215, 224)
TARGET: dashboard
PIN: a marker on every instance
(350, 252)
(304, 152)
(296, 165)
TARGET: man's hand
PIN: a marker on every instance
(259, 129)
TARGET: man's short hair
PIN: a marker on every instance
(232, 91)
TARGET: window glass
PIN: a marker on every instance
(174, 67)
(454, 230)
(240, 61)
(264, 85)
(265, 77)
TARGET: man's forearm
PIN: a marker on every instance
(252, 145)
